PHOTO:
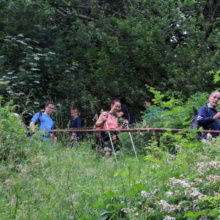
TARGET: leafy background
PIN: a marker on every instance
(86, 53)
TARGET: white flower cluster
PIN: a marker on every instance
(169, 218)
(90, 172)
(209, 140)
(201, 156)
(170, 156)
(213, 178)
(198, 180)
(183, 183)
(149, 210)
(128, 210)
(8, 181)
(193, 192)
(179, 147)
(204, 167)
(166, 207)
(145, 194)
(169, 194)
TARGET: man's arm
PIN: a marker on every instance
(34, 120)
(203, 119)
(32, 126)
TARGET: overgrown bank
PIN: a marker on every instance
(56, 182)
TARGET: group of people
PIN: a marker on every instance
(46, 123)
(208, 118)
(107, 119)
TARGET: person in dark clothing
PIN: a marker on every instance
(146, 102)
(124, 113)
(209, 118)
(75, 123)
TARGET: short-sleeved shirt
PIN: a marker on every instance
(46, 123)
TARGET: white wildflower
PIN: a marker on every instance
(145, 194)
(198, 180)
(182, 183)
(179, 147)
(169, 218)
(8, 181)
(202, 156)
(128, 210)
(204, 167)
(166, 207)
(169, 194)
(193, 192)
(213, 178)
(125, 210)
(150, 210)
(23, 171)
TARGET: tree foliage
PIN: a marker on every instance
(85, 53)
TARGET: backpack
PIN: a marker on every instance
(98, 134)
(38, 119)
(194, 122)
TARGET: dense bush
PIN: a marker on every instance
(171, 112)
(13, 136)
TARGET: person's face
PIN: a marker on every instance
(49, 109)
(146, 103)
(214, 99)
(115, 107)
(73, 114)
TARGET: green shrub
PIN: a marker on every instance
(13, 136)
(171, 112)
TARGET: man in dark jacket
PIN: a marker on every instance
(209, 117)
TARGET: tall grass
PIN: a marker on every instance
(74, 183)
(41, 181)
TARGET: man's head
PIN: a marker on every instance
(146, 102)
(214, 98)
(49, 107)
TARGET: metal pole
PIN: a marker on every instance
(113, 149)
(136, 129)
(132, 142)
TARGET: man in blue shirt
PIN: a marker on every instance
(45, 121)
(209, 117)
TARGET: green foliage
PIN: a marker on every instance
(171, 112)
(59, 182)
(13, 137)
(84, 56)
(30, 74)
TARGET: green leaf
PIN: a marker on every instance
(195, 214)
